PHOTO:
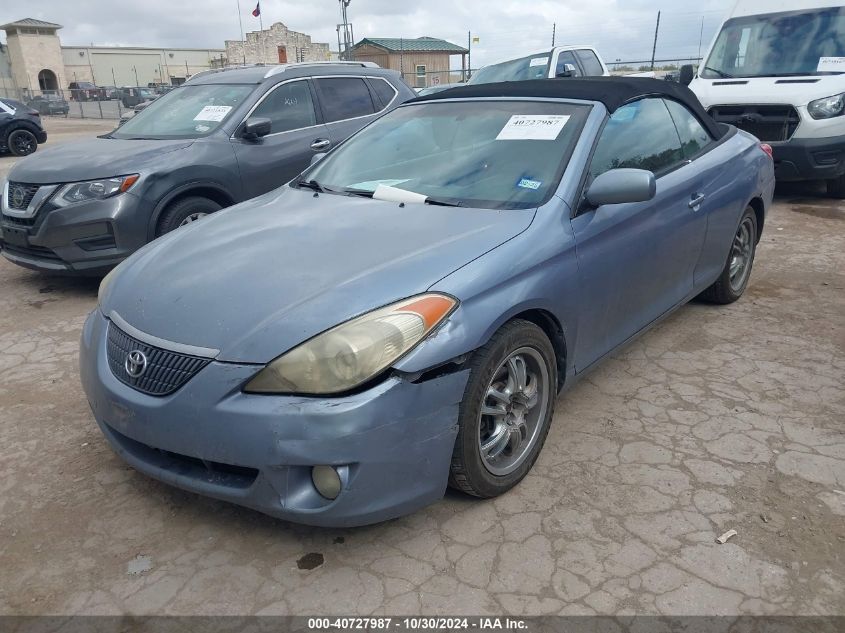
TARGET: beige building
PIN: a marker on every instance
(424, 61)
(276, 45)
(33, 55)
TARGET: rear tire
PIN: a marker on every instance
(734, 277)
(836, 187)
(21, 142)
(510, 414)
(183, 211)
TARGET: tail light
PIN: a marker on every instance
(768, 149)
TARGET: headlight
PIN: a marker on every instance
(827, 107)
(93, 190)
(356, 351)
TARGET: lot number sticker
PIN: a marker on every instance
(213, 113)
(831, 64)
(538, 61)
(533, 127)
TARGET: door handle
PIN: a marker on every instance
(320, 144)
(697, 199)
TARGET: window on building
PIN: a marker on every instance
(344, 98)
(641, 135)
(289, 107)
(420, 78)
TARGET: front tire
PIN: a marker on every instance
(184, 212)
(21, 142)
(734, 277)
(836, 187)
(505, 414)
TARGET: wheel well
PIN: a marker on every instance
(547, 322)
(757, 205)
(212, 193)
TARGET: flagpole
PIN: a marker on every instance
(263, 36)
(240, 22)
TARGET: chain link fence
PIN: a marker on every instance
(94, 102)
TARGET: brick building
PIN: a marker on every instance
(276, 45)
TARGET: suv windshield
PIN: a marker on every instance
(190, 112)
(531, 67)
(793, 43)
(489, 154)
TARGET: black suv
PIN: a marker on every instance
(223, 137)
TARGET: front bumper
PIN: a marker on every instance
(392, 443)
(809, 158)
(87, 239)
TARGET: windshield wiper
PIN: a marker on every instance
(443, 203)
(311, 184)
(721, 73)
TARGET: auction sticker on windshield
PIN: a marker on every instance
(533, 127)
(213, 113)
(831, 64)
(538, 61)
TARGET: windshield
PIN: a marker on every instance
(488, 154)
(793, 43)
(531, 67)
(190, 112)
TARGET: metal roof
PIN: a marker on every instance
(419, 44)
(32, 22)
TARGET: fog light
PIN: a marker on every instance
(326, 481)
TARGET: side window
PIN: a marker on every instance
(694, 137)
(640, 135)
(566, 57)
(592, 65)
(289, 107)
(344, 98)
(383, 90)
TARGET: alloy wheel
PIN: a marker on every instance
(514, 407)
(742, 251)
(193, 217)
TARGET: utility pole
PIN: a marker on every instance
(347, 45)
(554, 28)
(700, 37)
(654, 48)
(469, 54)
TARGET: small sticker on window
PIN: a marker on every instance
(533, 127)
(538, 61)
(527, 183)
(831, 64)
(213, 113)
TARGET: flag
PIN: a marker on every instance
(476, 40)
(257, 10)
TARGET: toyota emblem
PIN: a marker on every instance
(136, 364)
(18, 197)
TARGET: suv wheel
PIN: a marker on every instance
(21, 142)
(184, 212)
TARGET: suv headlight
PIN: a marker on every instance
(93, 190)
(827, 107)
(352, 353)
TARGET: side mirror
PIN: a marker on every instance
(256, 127)
(686, 74)
(568, 71)
(316, 158)
(621, 185)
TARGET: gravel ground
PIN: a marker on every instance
(720, 418)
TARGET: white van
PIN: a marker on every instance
(560, 61)
(777, 70)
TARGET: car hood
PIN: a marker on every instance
(92, 158)
(259, 278)
(795, 91)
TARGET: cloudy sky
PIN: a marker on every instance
(621, 29)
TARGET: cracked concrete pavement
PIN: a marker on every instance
(719, 418)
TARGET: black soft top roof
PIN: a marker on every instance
(613, 92)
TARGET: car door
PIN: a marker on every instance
(636, 260)
(347, 105)
(295, 137)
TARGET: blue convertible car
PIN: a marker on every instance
(402, 316)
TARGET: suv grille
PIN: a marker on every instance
(20, 195)
(38, 252)
(766, 122)
(165, 372)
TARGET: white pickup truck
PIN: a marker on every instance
(560, 61)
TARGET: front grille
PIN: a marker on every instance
(38, 252)
(165, 372)
(9, 219)
(766, 122)
(20, 195)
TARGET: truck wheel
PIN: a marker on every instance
(184, 212)
(836, 187)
